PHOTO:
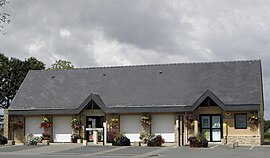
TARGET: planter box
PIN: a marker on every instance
(194, 145)
(79, 141)
(45, 142)
(11, 142)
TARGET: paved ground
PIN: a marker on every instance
(170, 151)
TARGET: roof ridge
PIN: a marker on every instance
(147, 65)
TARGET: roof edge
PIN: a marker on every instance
(146, 65)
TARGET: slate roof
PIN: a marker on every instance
(141, 88)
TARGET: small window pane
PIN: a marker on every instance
(205, 121)
(240, 121)
(215, 121)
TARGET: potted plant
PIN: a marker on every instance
(46, 123)
(155, 141)
(198, 141)
(14, 125)
(113, 129)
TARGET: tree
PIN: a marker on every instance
(62, 65)
(3, 16)
(13, 72)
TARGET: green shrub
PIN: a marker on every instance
(145, 136)
(3, 140)
(267, 135)
(155, 140)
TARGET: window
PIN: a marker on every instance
(240, 121)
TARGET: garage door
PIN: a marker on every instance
(163, 125)
(32, 125)
(130, 125)
(61, 129)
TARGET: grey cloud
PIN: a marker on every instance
(154, 31)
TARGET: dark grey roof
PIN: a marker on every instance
(166, 87)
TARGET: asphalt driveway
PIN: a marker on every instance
(72, 150)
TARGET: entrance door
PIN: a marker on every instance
(94, 123)
(211, 127)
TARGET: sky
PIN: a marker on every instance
(128, 32)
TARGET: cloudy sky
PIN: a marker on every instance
(124, 32)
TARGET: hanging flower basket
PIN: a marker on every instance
(46, 123)
(75, 124)
(16, 124)
(145, 120)
(253, 119)
(189, 121)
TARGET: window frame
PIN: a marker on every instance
(235, 121)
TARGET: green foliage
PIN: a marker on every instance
(32, 140)
(145, 136)
(266, 125)
(121, 140)
(267, 136)
(155, 140)
(12, 74)
(62, 65)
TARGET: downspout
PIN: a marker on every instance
(226, 136)
(261, 109)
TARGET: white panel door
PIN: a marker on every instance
(163, 125)
(62, 129)
(131, 126)
(32, 125)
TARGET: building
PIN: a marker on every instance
(218, 99)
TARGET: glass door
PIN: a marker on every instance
(216, 131)
(211, 127)
(205, 126)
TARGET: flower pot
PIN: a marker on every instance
(196, 145)
(79, 141)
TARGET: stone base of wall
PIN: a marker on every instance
(254, 140)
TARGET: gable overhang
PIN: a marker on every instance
(93, 97)
(224, 107)
(212, 96)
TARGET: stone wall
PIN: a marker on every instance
(254, 140)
